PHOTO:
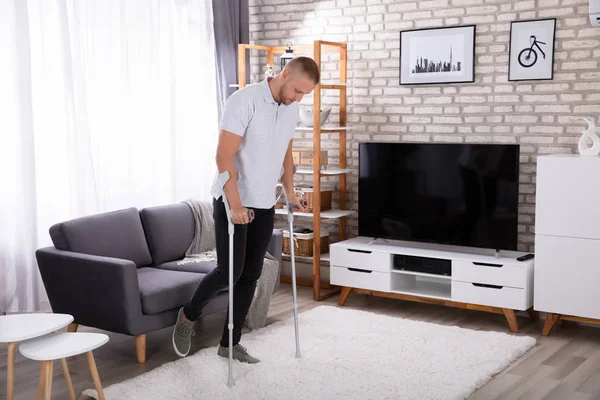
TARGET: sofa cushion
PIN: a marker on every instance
(117, 234)
(169, 230)
(163, 290)
(198, 267)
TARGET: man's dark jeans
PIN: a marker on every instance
(250, 243)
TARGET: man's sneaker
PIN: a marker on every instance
(239, 353)
(182, 335)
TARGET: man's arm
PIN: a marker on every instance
(236, 116)
(288, 171)
(288, 178)
(228, 145)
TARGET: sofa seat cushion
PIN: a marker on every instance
(117, 234)
(198, 267)
(163, 290)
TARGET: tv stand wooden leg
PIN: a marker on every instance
(511, 317)
(344, 295)
(551, 320)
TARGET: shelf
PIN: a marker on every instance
(325, 258)
(395, 271)
(329, 214)
(433, 290)
(337, 85)
(332, 126)
(303, 48)
(328, 171)
(424, 285)
(324, 129)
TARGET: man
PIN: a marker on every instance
(255, 139)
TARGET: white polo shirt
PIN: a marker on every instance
(267, 128)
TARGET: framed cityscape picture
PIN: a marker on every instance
(531, 54)
(437, 55)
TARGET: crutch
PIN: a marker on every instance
(290, 213)
(223, 178)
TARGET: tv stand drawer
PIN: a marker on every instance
(490, 273)
(360, 258)
(489, 295)
(359, 278)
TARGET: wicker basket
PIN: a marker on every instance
(308, 194)
(303, 243)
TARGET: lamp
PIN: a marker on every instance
(287, 56)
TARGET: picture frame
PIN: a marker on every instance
(531, 50)
(437, 55)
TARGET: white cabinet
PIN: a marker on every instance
(568, 196)
(478, 279)
(567, 277)
(567, 238)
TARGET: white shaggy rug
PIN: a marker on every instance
(346, 354)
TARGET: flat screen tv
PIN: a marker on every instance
(456, 194)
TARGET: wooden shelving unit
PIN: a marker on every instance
(321, 290)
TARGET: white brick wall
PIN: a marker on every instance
(545, 117)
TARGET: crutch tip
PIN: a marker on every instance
(298, 355)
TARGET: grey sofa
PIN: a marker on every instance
(118, 271)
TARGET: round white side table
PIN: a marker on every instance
(19, 327)
(58, 347)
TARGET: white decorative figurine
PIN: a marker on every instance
(269, 73)
(590, 133)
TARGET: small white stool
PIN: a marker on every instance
(59, 346)
(17, 328)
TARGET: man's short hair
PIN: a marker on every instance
(306, 66)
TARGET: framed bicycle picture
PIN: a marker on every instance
(531, 55)
(437, 55)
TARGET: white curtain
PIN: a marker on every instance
(104, 104)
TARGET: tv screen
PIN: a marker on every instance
(457, 194)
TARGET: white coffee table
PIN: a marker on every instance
(58, 347)
(19, 327)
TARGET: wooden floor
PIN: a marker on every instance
(564, 365)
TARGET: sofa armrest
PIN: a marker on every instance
(100, 292)
(276, 250)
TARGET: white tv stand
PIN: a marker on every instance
(479, 279)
